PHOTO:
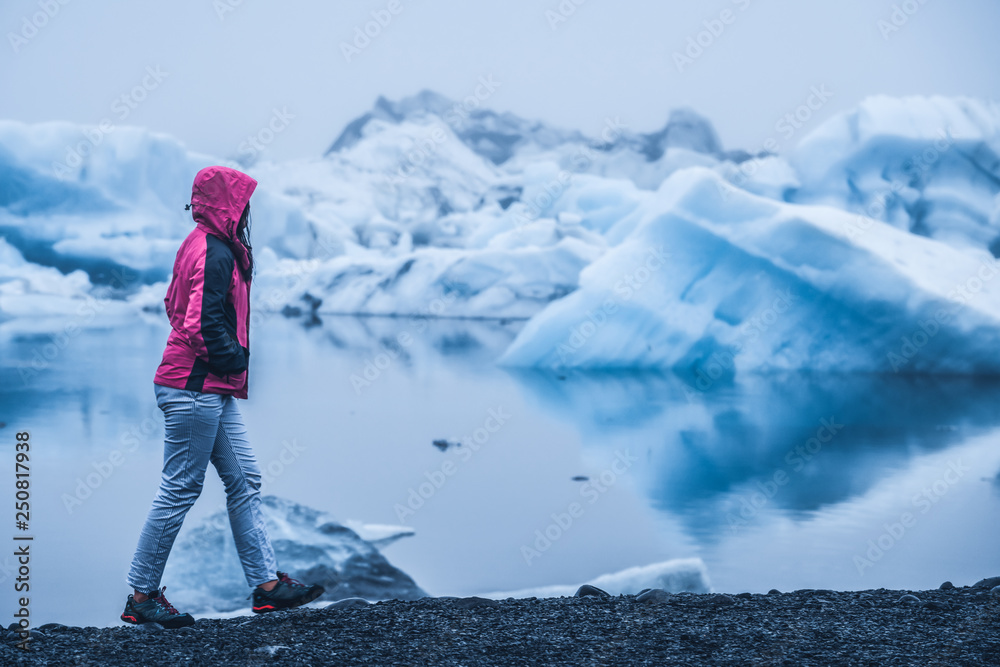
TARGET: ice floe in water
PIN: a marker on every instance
(204, 573)
(674, 576)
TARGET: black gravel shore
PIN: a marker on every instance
(952, 626)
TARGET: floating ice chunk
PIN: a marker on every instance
(309, 544)
(377, 534)
(681, 574)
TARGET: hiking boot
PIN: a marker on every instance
(288, 593)
(155, 610)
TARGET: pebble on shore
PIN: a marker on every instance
(816, 627)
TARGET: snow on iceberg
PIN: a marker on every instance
(711, 280)
(309, 545)
(929, 165)
(674, 576)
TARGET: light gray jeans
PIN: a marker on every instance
(202, 427)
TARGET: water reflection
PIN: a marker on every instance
(411, 341)
(827, 437)
(820, 439)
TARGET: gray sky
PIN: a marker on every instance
(224, 76)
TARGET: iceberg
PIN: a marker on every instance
(309, 545)
(929, 165)
(112, 203)
(45, 293)
(673, 576)
(75, 198)
(711, 280)
(422, 207)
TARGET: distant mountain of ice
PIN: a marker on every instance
(431, 207)
(309, 545)
(492, 135)
(498, 137)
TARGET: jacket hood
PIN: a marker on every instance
(218, 197)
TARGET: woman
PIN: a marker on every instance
(203, 372)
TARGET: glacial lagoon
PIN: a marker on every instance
(538, 477)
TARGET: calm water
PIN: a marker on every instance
(775, 482)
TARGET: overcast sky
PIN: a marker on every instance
(222, 73)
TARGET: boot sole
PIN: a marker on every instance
(263, 609)
(168, 625)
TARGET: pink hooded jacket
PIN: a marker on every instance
(208, 301)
